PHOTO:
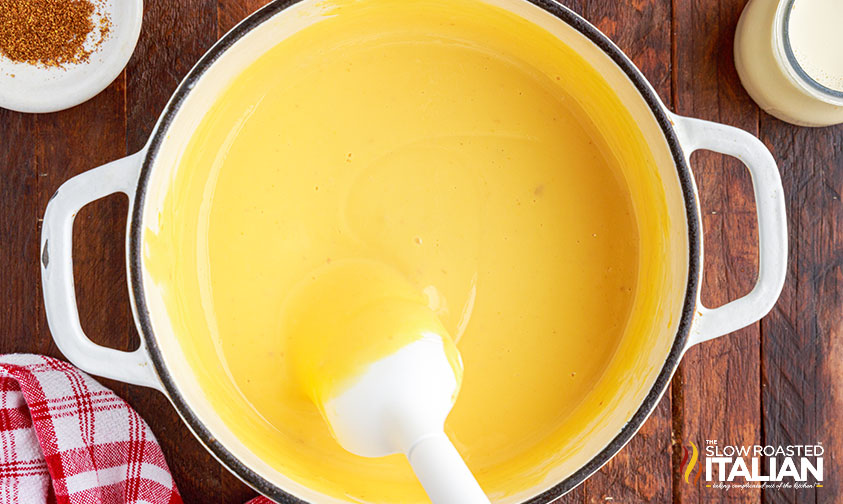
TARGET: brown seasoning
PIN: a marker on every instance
(49, 32)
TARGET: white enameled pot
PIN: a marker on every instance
(143, 177)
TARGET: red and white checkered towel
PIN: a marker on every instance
(65, 438)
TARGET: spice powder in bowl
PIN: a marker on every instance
(51, 32)
(55, 54)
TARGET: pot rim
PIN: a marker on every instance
(652, 398)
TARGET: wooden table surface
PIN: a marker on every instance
(776, 382)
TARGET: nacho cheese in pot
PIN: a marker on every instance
(464, 148)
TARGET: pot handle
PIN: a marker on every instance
(695, 134)
(57, 273)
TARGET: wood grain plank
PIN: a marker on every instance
(173, 38)
(642, 471)
(231, 12)
(19, 226)
(578, 6)
(802, 353)
(716, 390)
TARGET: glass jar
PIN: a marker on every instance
(789, 56)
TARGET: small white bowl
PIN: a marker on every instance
(26, 87)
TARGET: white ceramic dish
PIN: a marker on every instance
(34, 88)
(682, 320)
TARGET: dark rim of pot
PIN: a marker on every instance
(627, 432)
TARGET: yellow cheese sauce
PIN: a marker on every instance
(458, 145)
(348, 314)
